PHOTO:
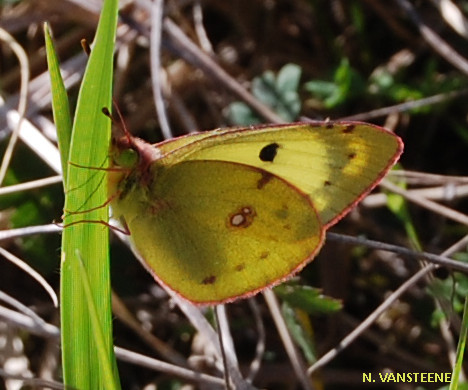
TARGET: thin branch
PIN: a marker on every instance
(446, 193)
(200, 29)
(407, 106)
(30, 185)
(170, 369)
(27, 323)
(428, 204)
(435, 259)
(24, 66)
(453, 16)
(192, 54)
(330, 355)
(31, 272)
(434, 40)
(351, 337)
(35, 383)
(156, 68)
(261, 336)
(291, 350)
(28, 231)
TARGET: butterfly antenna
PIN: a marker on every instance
(86, 47)
(105, 110)
(120, 123)
(107, 113)
(123, 126)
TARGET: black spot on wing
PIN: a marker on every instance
(268, 153)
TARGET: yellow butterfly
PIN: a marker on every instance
(224, 214)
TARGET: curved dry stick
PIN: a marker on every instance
(437, 260)
(24, 65)
(330, 355)
(31, 272)
(291, 350)
(156, 69)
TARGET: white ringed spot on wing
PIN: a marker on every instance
(242, 218)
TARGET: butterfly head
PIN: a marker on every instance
(124, 153)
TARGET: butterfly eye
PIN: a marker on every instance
(268, 153)
(127, 158)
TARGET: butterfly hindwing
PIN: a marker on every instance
(215, 231)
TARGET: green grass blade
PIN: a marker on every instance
(83, 364)
(460, 349)
(60, 105)
(106, 365)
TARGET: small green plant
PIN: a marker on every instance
(298, 302)
(346, 84)
(279, 92)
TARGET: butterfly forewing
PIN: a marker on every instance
(334, 164)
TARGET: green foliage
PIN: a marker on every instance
(298, 302)
(457, 369)
(307, 298)
(299, 332)
(398, 205)
(4, 3)
(346, 84)
(61, 109)
(385, 84)
(454, 289)
(460, 386)
(278, 92)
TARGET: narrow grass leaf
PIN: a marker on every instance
(60, 104)
(86, 191)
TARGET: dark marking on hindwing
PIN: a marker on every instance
(209, 280)
(264, 180)
(348, 129)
